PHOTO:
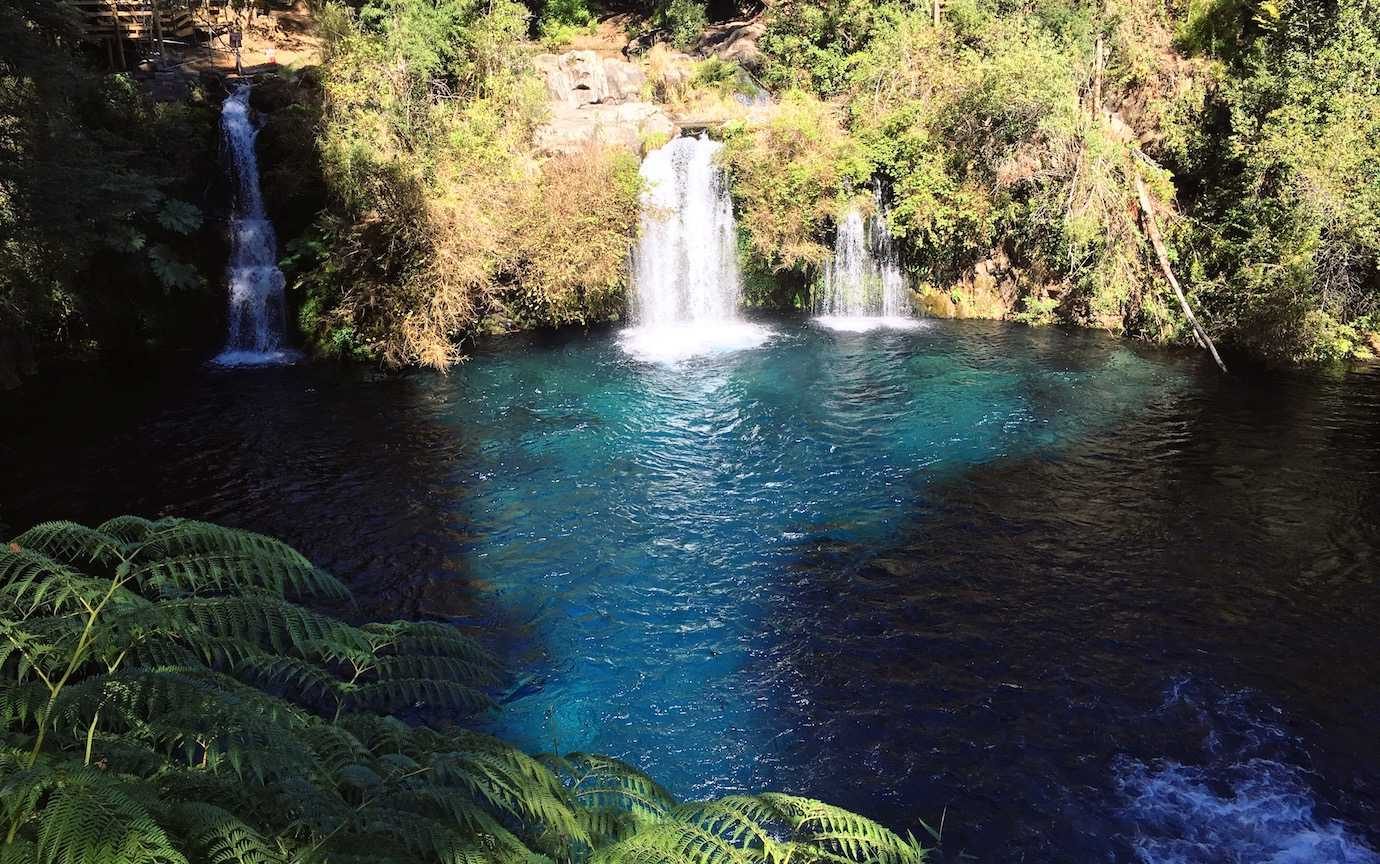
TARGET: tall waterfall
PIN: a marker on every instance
(863, 285)
(685, 279)
(257, 316)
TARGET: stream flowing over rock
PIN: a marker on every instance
(257, 317)
(864, 286)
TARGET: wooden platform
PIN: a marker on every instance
(134, 19)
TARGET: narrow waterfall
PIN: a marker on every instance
(685, 280)
(863, 285)
(257, 316)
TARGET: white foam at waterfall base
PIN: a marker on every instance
(866, 323)
(1246, 802)
(257, 315)
(675, 343)
(685, 278)
(863, 287)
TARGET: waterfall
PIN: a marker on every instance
(685, 279)
(863, 286)
(257, 316)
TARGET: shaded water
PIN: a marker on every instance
(1093, 602)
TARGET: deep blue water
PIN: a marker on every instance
(1077, 599)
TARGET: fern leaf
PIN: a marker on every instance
(219, 837)
(399, 694)
(671, 843)
(89, 819)
(127, 529)
(188, 539)
(455, 669)
(427, 638)
(217, 572)
(71, 543)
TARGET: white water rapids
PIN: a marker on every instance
(257, 319)
(863, 287)
(686, 283)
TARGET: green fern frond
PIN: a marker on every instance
(742, 820)
(127, 529)
(89, 819)
(427, 638)
(31, 582)
(21, 701)
(606, 825)
(18, 851)
(217, 836)
(464, 813)
(671, 843)
(161, 698)
(397, 695)
(334, 747)
(262, 619)
(218, 572)
(178, 538)
(301, 679)
(840, 832)
(459, 670)
(381, 734)
(602, 781)
(71, 543)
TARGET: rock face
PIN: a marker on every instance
(596, 100)
(584, 78)
(736, 41)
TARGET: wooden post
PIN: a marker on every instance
(158, 33)
(119, 33)
(936, 14)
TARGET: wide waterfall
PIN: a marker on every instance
(864, 287)
(686, 284)
(257, 316)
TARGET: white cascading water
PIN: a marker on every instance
(864, 287)
(685, 279)
(257, 315)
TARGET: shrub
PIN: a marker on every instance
(683, 20)
(444, 219)
(791, 176)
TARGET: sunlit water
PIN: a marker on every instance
(1077, 600)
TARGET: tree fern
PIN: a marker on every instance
(164, 699)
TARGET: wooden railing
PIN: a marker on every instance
(134, 19)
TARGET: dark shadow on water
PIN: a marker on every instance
(1033, 632)
(352, 467)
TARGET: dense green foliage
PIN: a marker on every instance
(1011, 140)
(442, 220)
(1015, 133)
(165, 698)
(95, 182)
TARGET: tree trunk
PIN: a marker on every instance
(1153, 232)
(936, 14)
